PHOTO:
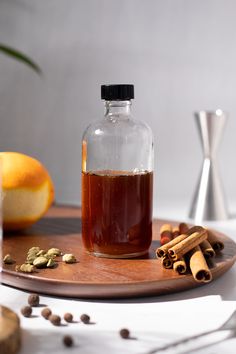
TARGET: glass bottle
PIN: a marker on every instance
(117, 180)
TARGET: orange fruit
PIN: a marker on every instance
(27, 188)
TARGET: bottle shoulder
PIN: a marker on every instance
(117, 126)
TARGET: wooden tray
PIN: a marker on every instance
(94, 277)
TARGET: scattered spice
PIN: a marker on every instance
(40, 262)
(167, 262)
(25, 268)
(190, 250)
(166, 234)
(55, 320)
(26, 311)
(51, 263)
(163, 250)
(39, 258)
(68, 317)
(186, 245)
(198, 266)
(180, 266)
(33, 300)
(175, 231)
(54, 252)
(32, 254)
(46, 313)
(41, 253)
(34, 250)
(8, 259)
(183, 228)
(85, 318)
(207, 249)
(69, 258)
(124, 333)
(216, 244)
(68, 341)
(30, 259)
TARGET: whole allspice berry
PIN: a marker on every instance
(46, 313)
(55, 320)
(68, 341)
(33, 300)
(26, 311)
(124, 333)
(68, 317)
(85, 318)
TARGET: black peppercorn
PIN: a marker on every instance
(68, 317)
(55, 320)
(33, 300)
(26, 311)
(85, 318)
(68, 341)
(124, 333)
(46, 313)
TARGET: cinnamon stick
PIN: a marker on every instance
(163, 250)
(207, 249)
(181, 248)
(180, 266)
(198, 266)
(175, 231)
(166, 234)
(183, 228)
(167, 262)
(165, 227)
(216, 244)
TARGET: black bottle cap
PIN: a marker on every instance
(117, 92)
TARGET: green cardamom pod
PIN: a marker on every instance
(69, 258)
(51, 263)
(34, 250)
(40, 262)
(41, 253)
(54, 252)
(8, 259)
(26, 268)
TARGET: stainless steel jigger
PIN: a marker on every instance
(209, 201)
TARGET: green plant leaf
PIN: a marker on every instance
(13, 53)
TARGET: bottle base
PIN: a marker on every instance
(118, 256)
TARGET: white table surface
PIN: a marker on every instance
(153, 321)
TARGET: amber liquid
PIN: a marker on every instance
(117, 213)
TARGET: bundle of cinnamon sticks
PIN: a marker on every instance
(183, 247)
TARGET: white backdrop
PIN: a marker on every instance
(179, 54)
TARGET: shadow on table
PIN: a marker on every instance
(50, 340)
(40, 341)
(53, 226)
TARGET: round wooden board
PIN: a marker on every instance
(94, 277)
(10, 333)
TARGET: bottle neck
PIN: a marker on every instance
(121, 108)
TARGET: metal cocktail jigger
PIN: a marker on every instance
(209, 201)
